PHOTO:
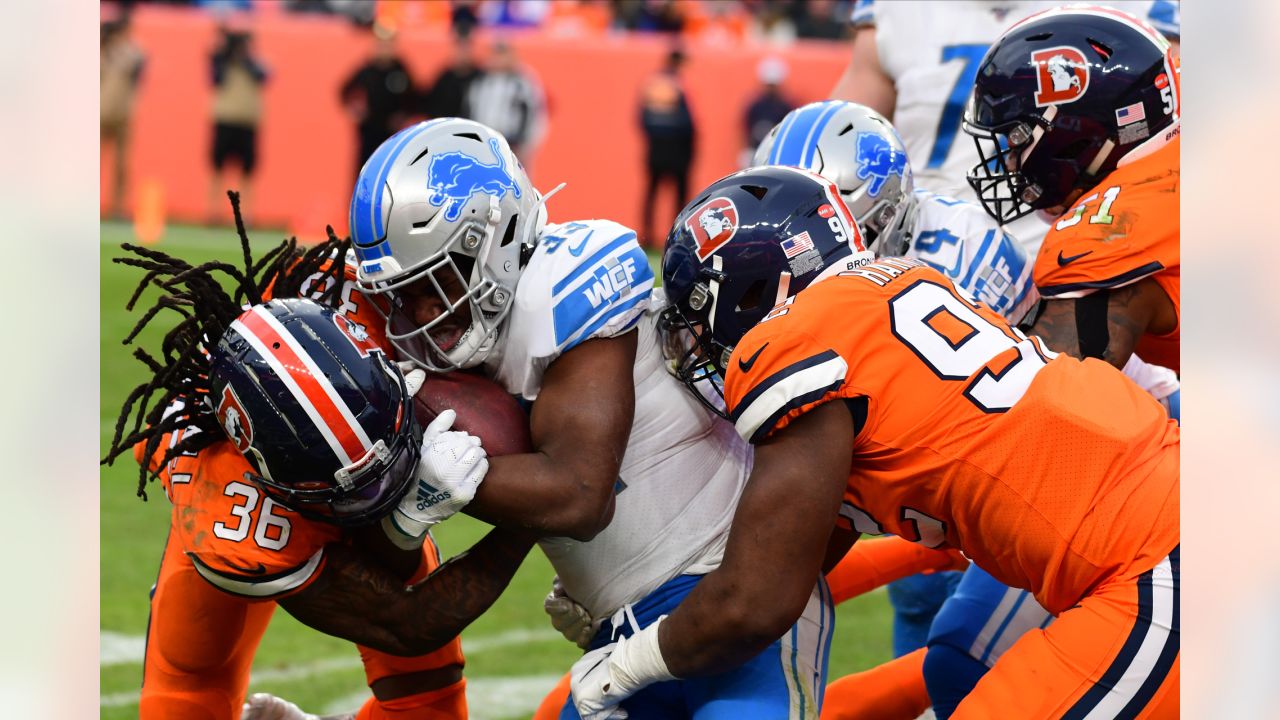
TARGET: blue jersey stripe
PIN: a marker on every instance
(591, 261)
(982, 253)
(608, 314)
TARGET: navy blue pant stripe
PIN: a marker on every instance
(1167, 655)
(1123, 659)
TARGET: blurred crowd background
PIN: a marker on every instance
(632, 103)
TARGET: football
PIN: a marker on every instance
(484, 409)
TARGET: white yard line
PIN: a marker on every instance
(119, 649)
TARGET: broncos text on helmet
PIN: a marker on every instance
(1062, 99)
(778, 229)
(319, 411)
(858, 149)
(445, 209)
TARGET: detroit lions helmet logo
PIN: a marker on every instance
(1062, 75)
(877, 159)
(713, 224)
(454, 177)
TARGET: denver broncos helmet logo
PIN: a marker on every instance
(1062, 75)
(234, 421)
(713, 224)
(357, 334)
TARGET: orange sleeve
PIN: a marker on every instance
(778, 372)
(873, 563)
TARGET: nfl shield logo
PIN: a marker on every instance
(713, 224)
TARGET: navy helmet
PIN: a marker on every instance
(748, 242)
(321, 414)
(1060, 99)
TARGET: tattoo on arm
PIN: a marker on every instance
(358, 600)
(1078, 328)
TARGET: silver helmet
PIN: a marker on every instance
(856, 148)
(445, 208)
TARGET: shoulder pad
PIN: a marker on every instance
(1114, 236)
(593, 275)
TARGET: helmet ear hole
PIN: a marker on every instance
(464, 263)
(1073, 151)
(510, 233)
(751, 299)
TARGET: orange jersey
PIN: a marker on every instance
(238, 538)
(1124, 230)
(1048, 472)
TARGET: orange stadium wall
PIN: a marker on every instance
(307, 141)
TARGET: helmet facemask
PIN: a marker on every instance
(474, 302)
(1005, 192)
(452, 221)
(693, 356)
(889, 226)
(367, 489)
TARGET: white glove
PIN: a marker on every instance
(264, 706)
(450, 468)
(607, 676)
(567, 616)
(414, 376)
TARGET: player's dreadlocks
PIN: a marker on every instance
(180, 376)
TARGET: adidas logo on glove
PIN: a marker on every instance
(428, 495)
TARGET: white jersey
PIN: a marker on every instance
(931, 50)
(683, 469)
(960, 240)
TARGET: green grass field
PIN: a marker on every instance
(513, 655)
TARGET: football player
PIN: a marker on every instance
(915, 63)
(632, 482)
(857, 149)
(878, 393)
(282, 436)
(1076, 117)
